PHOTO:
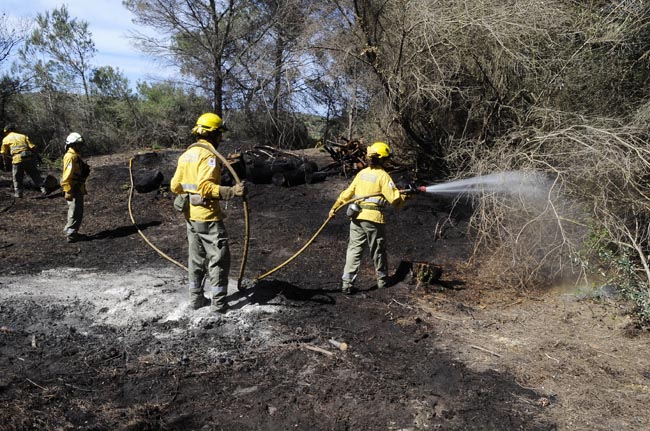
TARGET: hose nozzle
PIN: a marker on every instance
(412, 189)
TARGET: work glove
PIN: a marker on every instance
(240, 189)
(226, 193)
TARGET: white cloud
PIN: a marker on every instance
(110, 23)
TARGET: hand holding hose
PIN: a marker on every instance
(410, 190)
(338, 204)
(227, 193)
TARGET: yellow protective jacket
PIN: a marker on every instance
(369, 181)
(18, 146)
(199, 172)
(75, 171)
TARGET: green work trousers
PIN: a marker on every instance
(208, 255)
(28, 167)
(75, 214)
(364, 234)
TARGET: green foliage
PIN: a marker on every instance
(168, 112)
(619, 267)
(59, 50)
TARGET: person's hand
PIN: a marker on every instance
(68, 196)
(335, 208)
(239, 189)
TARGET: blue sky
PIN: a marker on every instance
(109, 22)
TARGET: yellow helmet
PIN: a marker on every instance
(380, 150)
(207, 123)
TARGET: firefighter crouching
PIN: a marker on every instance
(367, 222)
(196, 182)
(73, 183)
(23, 155)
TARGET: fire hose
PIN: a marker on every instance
(320, 229)
(247, 225)
(246, 217)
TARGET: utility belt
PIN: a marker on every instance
(184, 200)
(355, 208)
(24, 154)
(198, 200)
(371, 207)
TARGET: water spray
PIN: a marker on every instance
(513, 182)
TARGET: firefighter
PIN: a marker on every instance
(73, 183)
(24, 155)
(367, 220)
(197, 181)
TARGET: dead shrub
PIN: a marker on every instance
(591, 213)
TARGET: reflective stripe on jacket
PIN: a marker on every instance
(199, 172)
(17, 145)
(72, 178)
(369, 181)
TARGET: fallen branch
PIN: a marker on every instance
(485, 350)
(551, 357)
(318, 349)
(37, 385)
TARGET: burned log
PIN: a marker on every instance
(268, 165)
(50, 183)
(306, 173)
(147, 181)
(349, 155)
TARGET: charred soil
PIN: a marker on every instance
(97, 335)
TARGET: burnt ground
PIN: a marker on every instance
(96, 335)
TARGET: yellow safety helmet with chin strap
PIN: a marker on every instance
(208, 123)
(379, 150)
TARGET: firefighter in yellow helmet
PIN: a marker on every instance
(367, 220)
(23, 155)
(197, 178)
(73, 182)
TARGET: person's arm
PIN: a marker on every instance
(345, 196)
(5, 150)
(69, 176)
(209, 177)
(31, 145)
(390, 192)
(175, 184)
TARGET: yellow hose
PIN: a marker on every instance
(136, 225)
(247, 224)
(246, 217)
(318, 232)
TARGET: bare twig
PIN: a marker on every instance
(485, 350)
(317, 349)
